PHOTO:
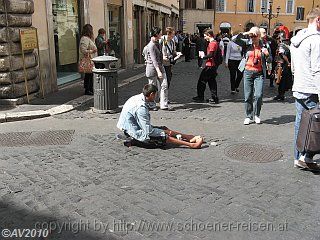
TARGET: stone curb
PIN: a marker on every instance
(69, 106)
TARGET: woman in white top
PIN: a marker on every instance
(233, 59)
(87, 48)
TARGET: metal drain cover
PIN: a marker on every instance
(43, 138)
(254, 153)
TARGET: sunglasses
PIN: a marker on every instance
(253, 36)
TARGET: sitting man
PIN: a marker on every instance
(134, 121)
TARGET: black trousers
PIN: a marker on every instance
(235, 74)
(200, 62)
(187, 53)
(208, 75)
(168, 70)
(88, 82)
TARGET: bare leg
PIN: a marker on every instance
(196, 144)
(172, 133)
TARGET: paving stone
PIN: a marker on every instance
(97, 178)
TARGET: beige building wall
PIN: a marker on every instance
(41, 21)
(96, 15)
(193, 17)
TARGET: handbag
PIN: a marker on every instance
(85, 65)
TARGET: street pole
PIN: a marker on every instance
(269, 15)
(269, 18)
(214, 12)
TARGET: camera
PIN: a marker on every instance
(255, 61)
(172, 61)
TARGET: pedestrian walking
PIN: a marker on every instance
(305, 65)
(201, 46)
(255, 70)
(283, 71)
(169, 52)
(187, 48)
(155, 71)
(87, 51)
(102, 43)
(232, 60)
(209, 73)
(225, 39)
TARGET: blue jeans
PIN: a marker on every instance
(301, 105)
(253, 87)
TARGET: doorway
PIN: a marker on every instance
(201, 27)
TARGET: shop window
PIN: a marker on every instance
(114, 31)
(190, 4)
(300, 13)
(66, 39)
(250, 6)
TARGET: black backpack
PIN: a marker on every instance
(217, 56)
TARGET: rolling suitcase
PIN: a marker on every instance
(308, 140)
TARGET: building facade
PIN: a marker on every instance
(127, 23)
(240, 15)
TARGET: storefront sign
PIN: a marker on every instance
(29, 39)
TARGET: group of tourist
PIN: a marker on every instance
(251, 56)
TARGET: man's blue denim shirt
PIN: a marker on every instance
(135, 119)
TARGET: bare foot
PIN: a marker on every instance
(197, 144)
(194, 139)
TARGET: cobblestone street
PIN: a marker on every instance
(95, 188)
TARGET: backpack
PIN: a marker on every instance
(145, 53)
(217, 57)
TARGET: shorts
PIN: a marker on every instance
(153, 142)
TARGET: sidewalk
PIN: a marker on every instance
(66, 99)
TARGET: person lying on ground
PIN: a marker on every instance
(135, 123)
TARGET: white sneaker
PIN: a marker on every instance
(247, 121)
(305, 159)
(257, 120)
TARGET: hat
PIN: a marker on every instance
(263, 32)
(254, 31)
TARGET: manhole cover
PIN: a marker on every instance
(43, 138)
(254, 153)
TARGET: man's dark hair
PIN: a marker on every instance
(148, 89)
(155, 31)
(209, 32)
(101, 31)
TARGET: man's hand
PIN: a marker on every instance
(160, 75)
(226, 64)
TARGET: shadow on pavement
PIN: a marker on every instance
(195, 106)
(280, 120)
(15, 216)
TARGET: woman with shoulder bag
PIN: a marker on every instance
(87, 51)
(255, 71)
(169, 52)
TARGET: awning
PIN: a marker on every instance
(225, 25)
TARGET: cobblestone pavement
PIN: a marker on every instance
(107, 191)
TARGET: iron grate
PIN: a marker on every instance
(253, 153)
(41, 138)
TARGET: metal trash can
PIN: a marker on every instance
(105, 85)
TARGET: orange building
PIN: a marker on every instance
(240, 15)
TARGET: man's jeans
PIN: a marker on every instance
(253, 87)
(301, 105)
(162, 86)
